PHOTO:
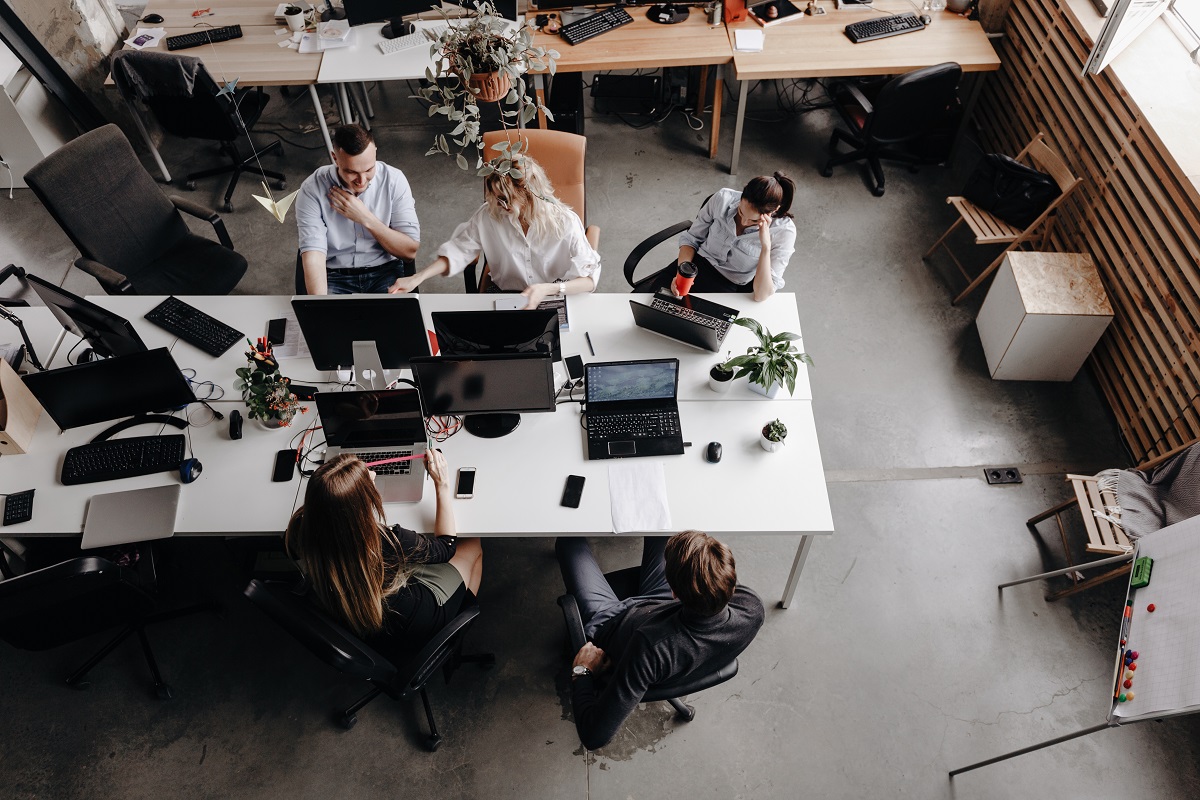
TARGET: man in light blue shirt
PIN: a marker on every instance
(357, 220)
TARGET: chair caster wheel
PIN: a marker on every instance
(687, 716)
(164, 692)
(281, 185)
(347, 722)
(877, 191)
(189, 185)
(827, 171)
(227, 208)
(433, 742)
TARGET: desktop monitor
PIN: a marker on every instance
(505, 8)
(465, 333)
(362, 12)
(99, 391)
(108, 334)
(332, 324)
(491, 390)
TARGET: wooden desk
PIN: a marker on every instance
(816, 47)
(649, 45)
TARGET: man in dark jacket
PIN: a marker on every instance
(689, 615)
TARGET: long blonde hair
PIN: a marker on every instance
(539, 210)
(338, 535)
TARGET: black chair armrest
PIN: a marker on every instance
(470, 282)
(690, 684)
(573, 621)
(858, 96)
(207, 214)
(440, 647)
(112, 281)
(635, 257)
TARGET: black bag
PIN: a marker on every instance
(1010, 190)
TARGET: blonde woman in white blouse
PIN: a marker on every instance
(532, 242)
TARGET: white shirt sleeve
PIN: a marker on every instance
(585, 261)
(464, 246)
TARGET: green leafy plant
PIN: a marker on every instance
(775, 359)
(293, 10)
(775, 431)
(267, 393)
(475, 45)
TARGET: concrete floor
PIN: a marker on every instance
(897, 662)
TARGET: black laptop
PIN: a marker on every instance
(691, 320)
(377, 426)
(633, 409)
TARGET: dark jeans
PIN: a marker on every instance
(708, 279)
(376, 280)
(598, 603)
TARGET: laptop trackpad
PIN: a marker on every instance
(626, 448)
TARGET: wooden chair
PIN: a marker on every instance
(563, 157)
(989, 229)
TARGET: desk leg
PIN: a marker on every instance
(316, 99)
(802, 549)
(539, 91)
(352, 90)
(344, 104)
(737, 128)
(968, 110)
(367, 99)
(137, 120)
(718, 97)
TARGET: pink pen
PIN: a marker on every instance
(394, 460)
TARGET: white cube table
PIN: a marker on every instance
(1042, 316)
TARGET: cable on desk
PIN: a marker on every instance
(442, 427)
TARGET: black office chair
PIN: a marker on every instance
(58, 604)
(625, 583)
(346, 653)
(887, 120)
(187, 102)
(131, 237)
(647, 283)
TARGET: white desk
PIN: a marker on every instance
(364, 61)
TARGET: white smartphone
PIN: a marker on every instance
(465, 489)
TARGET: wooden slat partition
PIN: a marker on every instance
(1136, 214)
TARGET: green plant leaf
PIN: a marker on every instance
(462, 162)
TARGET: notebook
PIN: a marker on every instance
(633, 409)
(692, 320)
(134, 516)
(375, 426)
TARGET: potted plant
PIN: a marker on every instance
(294, 16)
(267, 393)
(481, 61)
(772, 363)
(720, 377)
(774, 434)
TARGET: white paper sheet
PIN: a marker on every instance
(637, 497)
(748, 40)
(145, 37)
(293, 344)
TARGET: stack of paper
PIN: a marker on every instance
(145, 37)
(748, 40)
(333, 31)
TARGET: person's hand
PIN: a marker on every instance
(404, 285)
(764, 230)
(591, 657)
(349, 206)
(537, 293)
(435, 465)
(671, 285)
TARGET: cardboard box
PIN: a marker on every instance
(19, 413)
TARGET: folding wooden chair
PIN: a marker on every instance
(989, 229)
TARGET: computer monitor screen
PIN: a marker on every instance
(361, 12)
(331, 324)
(107, 333)
(465, 333)
(118, 387)
(505, 8)
(491, 390)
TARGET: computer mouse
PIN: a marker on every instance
(712, 453)
(153, 19)
(926, 19)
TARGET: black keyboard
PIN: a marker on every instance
(607, 20)
(122, 458)
(868, 30)
(395, 468)
(185, 40)
(640, 425)
(194, 326)
(719, 325)
(18, 507)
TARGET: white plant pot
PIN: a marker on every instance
(295, 22)
(720, 387)
(767, 444)
(768, 393)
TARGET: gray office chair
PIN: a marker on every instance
(342, 650)
(131, 237)
(625, 583)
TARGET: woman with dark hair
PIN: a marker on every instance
(391, 586)
(741, 241)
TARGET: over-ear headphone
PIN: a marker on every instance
(190, 469)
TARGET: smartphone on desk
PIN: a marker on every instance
(465, 489)
(573, 491)
(285, 466)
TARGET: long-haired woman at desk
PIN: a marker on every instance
(392, 586)
(533, 243)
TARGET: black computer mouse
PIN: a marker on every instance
(926, 19)
(153, 19)
(712, 453)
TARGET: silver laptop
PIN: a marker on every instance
(377, 426)
(134, 516)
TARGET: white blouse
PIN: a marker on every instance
(516, 260)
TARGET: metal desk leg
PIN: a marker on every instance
(137, 120)
(539, 91)
(367, 99)
(802, 549)
(737, 128)
(352, 90)
(316, 99)
(344, 104)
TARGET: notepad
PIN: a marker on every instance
(748, 40)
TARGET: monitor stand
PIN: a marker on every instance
(140, 419)
(369, 366)
(491, 426)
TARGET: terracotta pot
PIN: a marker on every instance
(489, 86)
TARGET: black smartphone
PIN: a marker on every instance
(285, 466)
(466, 483)
(276, 329)
(574, 367)
(302, 391)
(573, 491)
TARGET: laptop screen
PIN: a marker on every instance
(365, 419)
(632, 380)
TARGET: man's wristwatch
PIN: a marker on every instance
(579, 670)
(562, 289)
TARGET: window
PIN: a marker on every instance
(1126, 21)
(1183, 18)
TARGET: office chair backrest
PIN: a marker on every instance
(911, 104)
(182, 94)
(106, 202)
(64, 602)
(562, 155)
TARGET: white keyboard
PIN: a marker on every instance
(410, 40)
